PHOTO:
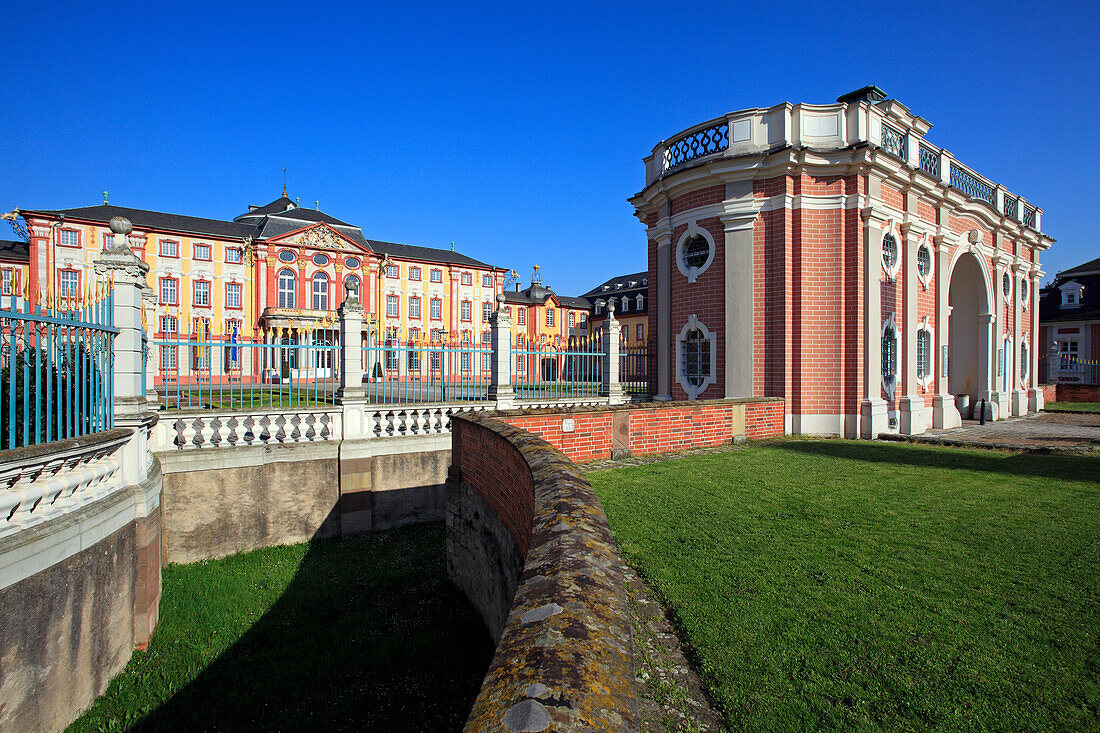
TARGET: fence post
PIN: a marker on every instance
(131, 410)
(611, 387)
(1054, 358)
(351, 395)
(500, 386)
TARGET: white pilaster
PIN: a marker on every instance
(913, 415)
(873, 417)
(664, 314)
(944, 412)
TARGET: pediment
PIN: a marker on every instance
(320, 236)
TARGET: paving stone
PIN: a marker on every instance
(1045, 432)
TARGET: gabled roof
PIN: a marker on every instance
(1087, 276)
(538, 295)
(620, 285)
(151, 220)
(16, 251)
(1089, 268)
(280, 204)
(430, 254)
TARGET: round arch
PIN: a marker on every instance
(971, 305)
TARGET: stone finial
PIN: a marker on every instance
(500, 299)
(120, 225)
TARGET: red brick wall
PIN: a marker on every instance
(1076, 393)
(499, 474)
(653, 428)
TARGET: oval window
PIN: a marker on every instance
(286, 256)
(1006, 284)
(695, 252)
(320, 260)
(889, 251)
(351, 263)
(924, 261)
(1023, 290)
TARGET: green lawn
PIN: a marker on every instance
(842, 585)
(250, 398)
(361, 633)
(1073, 407)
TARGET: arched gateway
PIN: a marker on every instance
(969, 339)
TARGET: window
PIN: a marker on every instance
(1023, 290)
(68, 283)
(202, 293)
(232, 295)
(6, 276)
(486, 311)
(521, 360)
(486, 281)
(467, 279)
(584, 320)
(168, 291)
(924, 353)
(696, 357)
(694, 253)
(202, 252)
(320, 291)
(1067, 352)
(169, 326)
(436, 276)
(467, 308)
(1023, 360)
(1006, 285)
(486, 357)
(639, 333)
(233, 255)
(626, 304)
(351, 283)
(924, 261)
(641, 302)
(696, 250)
(549, 317)
(435, 306)
(286, 256)
(521, 316)
(320, 259)
(393, 307)
(414, 356)
(286, 286)
(393, 271)
(414, 273)
(108, 239)
(889, 252)
(889, 357)
(168, 357)
(169, 248)
(414, 307)
(572, 319)
(351, 263)
(68, 237)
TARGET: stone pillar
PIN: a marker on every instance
(913, 416)
(664, 315)
(131, 409)
(738, 292)
(944, 412)
(500, 378)
(351, 395)
(610, 386)
(1035, 401)
(873, 417)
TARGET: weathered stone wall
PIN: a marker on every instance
(520, 515)
(67, 629)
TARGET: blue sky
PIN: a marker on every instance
(515, 130)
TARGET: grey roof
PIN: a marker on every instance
(279, 204)
(1050, 298)
(145, 219)
(620, 285)
(538, 294)
(1088, 267)
(15, 251)
(431, 254)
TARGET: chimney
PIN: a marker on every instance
(870, 94)
(517, 286)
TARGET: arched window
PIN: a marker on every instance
(889, 357)
(351, 282)
(320, 292)
(641, 302)
(286, 288)
(1023, 362)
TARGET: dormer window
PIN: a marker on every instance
(1071, 294)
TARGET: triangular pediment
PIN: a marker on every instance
(319, 236)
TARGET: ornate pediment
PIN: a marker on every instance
(321, 236)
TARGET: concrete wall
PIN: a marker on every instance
(225, 500)
(69, 627)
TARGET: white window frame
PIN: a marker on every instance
(233, 292)
(890, 230)
(414, 307)
(639, 333)
(435, 309)
(234, 255)
(393, 272)
(486, 281)
(286, 297)
(930, 372)
(68, 283)
(486, 311)
(521, 315)
(466, 311)
(436, 275)
(168, 248)
(549, 317)
(393, 305)
(889, 381)
(61, 237)
(197, 286)
(926, 278)
(693, 273)
(8, 278)
(572, 319)
(174, 288)
(1006, 280)
(318, 293)
(414, 273)
(693, 391)
(209, 249)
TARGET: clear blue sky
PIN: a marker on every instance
(515, 130)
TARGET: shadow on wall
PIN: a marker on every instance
(368, 635)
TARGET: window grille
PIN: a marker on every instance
(414, 307)
(889, 353)
(233, 295)
(696, 365)
(893, 142)
(924, 354)
(550, 317)
(233, 255)
(521, 316)
(320, 292)
(168, 291)
(924, 261)
(697, 144)
(1023, 360)
(890, 251)
(393, 309)
(414, 273)
(436, 309)
(466, 310)
(436, 276)
(486, 281)
(1006, 284)
(929, 161)
(393, 271)
(202, 293)
(202, 251)
(695, 251)
(68, 238)
(286, 289)
(286, 255)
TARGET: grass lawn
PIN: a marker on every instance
(361, 633)
(1072, 407)
(854, 585)
(249, 398)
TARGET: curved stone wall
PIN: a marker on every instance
(528, 543)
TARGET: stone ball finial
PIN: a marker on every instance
(121, 225)
(500, 298)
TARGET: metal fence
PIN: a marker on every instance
(56, 365)
(408, 370)
(634, 369)
(557, 368)
(1075, 371)
(286, 368)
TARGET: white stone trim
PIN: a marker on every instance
(1023, 366)
(889, 384)
(930, 375)
(692, 273)
(692, 324)
(893, 229)
(924, 244)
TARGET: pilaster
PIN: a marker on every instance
(664, 315)
(913, 416)
(873, 417)
(1035, 400)
(738, 220)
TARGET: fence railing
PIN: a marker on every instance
(634, 369)
(401, 371)
(570, 368)
(970, 184)
(289, 368)
(893, 142)
(56, 365)
(1073, 371)
(713, 139)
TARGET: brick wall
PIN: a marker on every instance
(1074, 392)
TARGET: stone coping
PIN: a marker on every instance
(651, 405)
(32, 453)
(565, 657)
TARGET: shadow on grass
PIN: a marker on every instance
(369, 635)
(973, 459)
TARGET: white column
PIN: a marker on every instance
(1019, 390)
(913, 416)
(1035, 401)
(663, 313)
(500, 384)
(944, 412)
(873, 418)
(611, 387)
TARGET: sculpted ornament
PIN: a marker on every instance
(322, 237)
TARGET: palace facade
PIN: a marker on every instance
(277, 268)
(629, 296)
(833, 256)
